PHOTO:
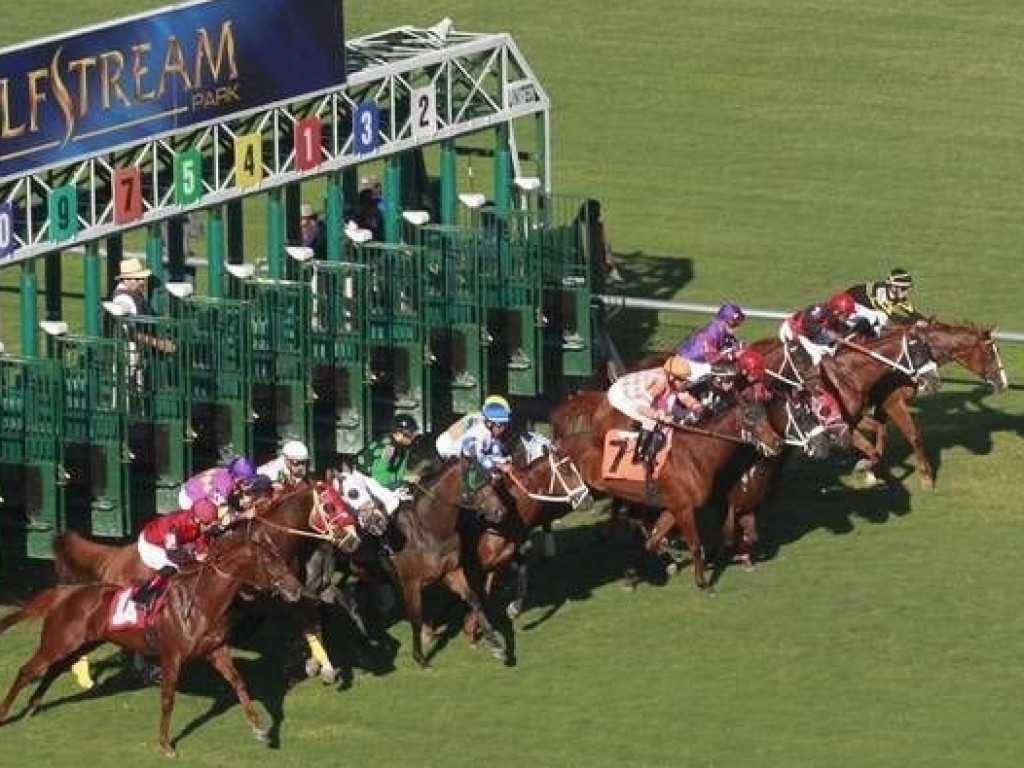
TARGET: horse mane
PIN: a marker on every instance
(78, 560)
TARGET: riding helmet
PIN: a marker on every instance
(205, 511)
(497, 413)
(241, 468)
(751, 364)
(731, 312)
(677, 367)
(842, 304)
(403, 422)
(293, 450)
(900, 278)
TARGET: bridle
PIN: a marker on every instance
(574, 495)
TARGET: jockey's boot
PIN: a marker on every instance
(470, 482)
(643, 441)
(153, 588)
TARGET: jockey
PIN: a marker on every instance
(648, 396)
(289, 467)
(242, 503)
(819, 328)
(717, 339)
(370, 502)
(481, 446)
(449, 442)
(387, 457)
(218, 484)
(881, 302)
(181, 536)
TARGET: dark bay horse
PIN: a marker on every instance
(428, 548)
(695, 457)
(968, 344)
(192, 623)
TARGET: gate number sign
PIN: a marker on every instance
(365, 127)
(248, 160)
(63, 213)
(127, 195)
(188, 177)
(307, 143)
(6, 230)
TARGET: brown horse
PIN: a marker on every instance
(695, 457)
(970, 345)
(193, 622)
(79, 560)
(429, 548)
(543, 481)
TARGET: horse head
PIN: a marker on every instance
(968, 344)
(545, 466)
(253, 558)
(756, 429)
(804, 428)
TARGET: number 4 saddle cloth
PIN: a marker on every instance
(125, 613)
(619, 462)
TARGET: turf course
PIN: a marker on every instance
(770, 153)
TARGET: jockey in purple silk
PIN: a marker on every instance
(717, 339)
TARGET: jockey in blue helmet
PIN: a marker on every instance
(717, 339)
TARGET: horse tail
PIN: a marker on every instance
(78, 560)
(38, 606)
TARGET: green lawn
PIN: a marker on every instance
(772, 153)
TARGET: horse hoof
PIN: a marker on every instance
(747, 563)
(671, 569)
(927, 484)
(261, 734)
(513, 610)
(168, 751)
(312, 667)
(328, 675)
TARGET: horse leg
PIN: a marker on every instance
(457, 582)
(220, 658)
(748, 538)
(687, 523)
(896, 409)
(52, 674)
(170, 668)
(412, 597)
(522, 584)
(33, 669)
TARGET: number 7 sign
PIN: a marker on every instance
(127, 195)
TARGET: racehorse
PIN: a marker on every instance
(192, 622)
(850, 375)
(541, 476)
(288, 519)
(791, 414)
(428, 548)
(694, 458)
(970, 345)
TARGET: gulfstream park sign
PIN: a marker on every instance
(103, 87)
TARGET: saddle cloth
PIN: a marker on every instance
(617, 461)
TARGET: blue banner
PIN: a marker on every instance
(100, 88)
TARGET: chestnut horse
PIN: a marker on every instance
(695, 457)
(192, 623)
(970, 345)
(287, 517)
(428, 548)
(543, 481)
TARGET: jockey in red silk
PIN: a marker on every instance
(818, 329)
(717, 339)
(180, 536)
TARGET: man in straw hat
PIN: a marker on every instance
(130, 295)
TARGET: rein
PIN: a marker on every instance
(705, 432)
(573, 496)
(906, 370)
